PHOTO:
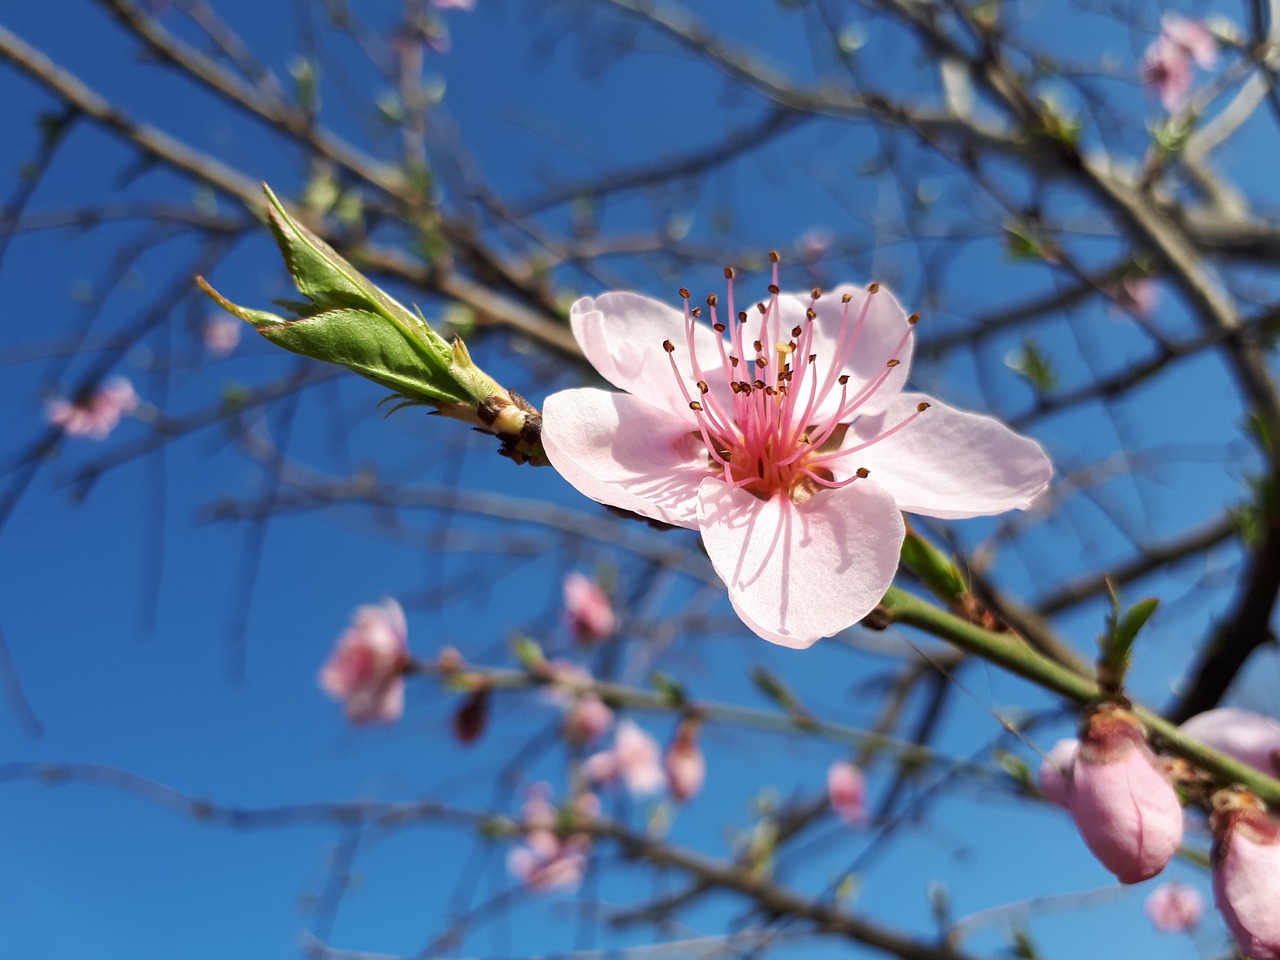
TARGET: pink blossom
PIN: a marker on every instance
(1125, 809)
(549, 860)
(635, 758)
(97, 414)
(221, 335)
(1166, 65)
(1175, 907)
(588, 608)
(454, 4)
(815, 242)
(1246, 872)
(1055, 770)
(847, 791)
(1249, 737)
(790, 446)
(684, 764)
(366, 669)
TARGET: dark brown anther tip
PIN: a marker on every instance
(892, 363)
(695, 312)
(844, 378)
(668, 346)
(774, 289)
(873, 287)
(795, 331)
(774, 257)
(921, 407)
(913, 319)
(862, 473)
(684, 293)
(695, 406)
(718, 327)
(712, 300)
(846, 298)
(815, 293)
(729, 273)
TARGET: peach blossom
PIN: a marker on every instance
(634, 758)
(1055, 769)
(588, 609)
(1246, 872)
(366, 669)
(96, 415)
(790, 444)
(684, 763)
(1174, 907)
(1249, 737)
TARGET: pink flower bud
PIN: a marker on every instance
(1249, 737)
(1175, 907)
(1126, 811)
(588, 718)
(221, 335)
(1055, 769)
(366, 669)
(685, 766)
(1246, 872)
(587, 606)
(472, 716)
(847, 791)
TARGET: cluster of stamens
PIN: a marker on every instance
(764, 436)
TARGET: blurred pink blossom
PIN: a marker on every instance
(587, 719)
(847, 791)
(587, 606)
(1125, 809)
(764, 443)
(1055, 770)
(1137, 295)
(1166, 65)
(454, 4)
(366, 668)
(1246, 872)
(684, 763)
(635, 758)
(221, 335)
(548, 860)
(1249, 737)
(1175, 907)
(96, 415)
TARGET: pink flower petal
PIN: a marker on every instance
(950, 463)
(797, 573)
(1193, 37)
(618, 449)
(1249, 737)
(863, 358)
(622, 334)
(1055, 771)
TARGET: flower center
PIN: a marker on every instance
(781, 424)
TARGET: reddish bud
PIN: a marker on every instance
(847, 791)
(472, 716)
(587, 606)
(1125, 809)
(1175, 907)
(685, 766)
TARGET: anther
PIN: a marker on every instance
(811, 314)
(769, 391)
(726, 455)
(695, 312)
(742, 316)
(758, 345)
(795, 331)
(761, 362)
(773, 288)
(813, 358)
(846, 298)
(773, 256)
(817, 292)
(844, 378)
(668, 346)
(684, 293)
(862, 473)
(695, 406)
(702, 386)
(921, 407)
(913, 319)
(892, 363)
(735, 386)
(728, 273)
(762, 308)
(803, 438)
(759, 384)
(733, 361)
(718, 327)
(711, 300)
(873, 287)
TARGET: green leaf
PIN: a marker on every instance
(1033, 366)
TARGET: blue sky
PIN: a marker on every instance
(155, 689)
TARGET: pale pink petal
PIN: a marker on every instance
(1166, 70)
(622, 334)
(590, 613)
(1246, 885)
(619, 450)
(863, 358)
(1055, 771)
(1249, 737)
(1192, 36)
(797, 573)
(949, 463)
